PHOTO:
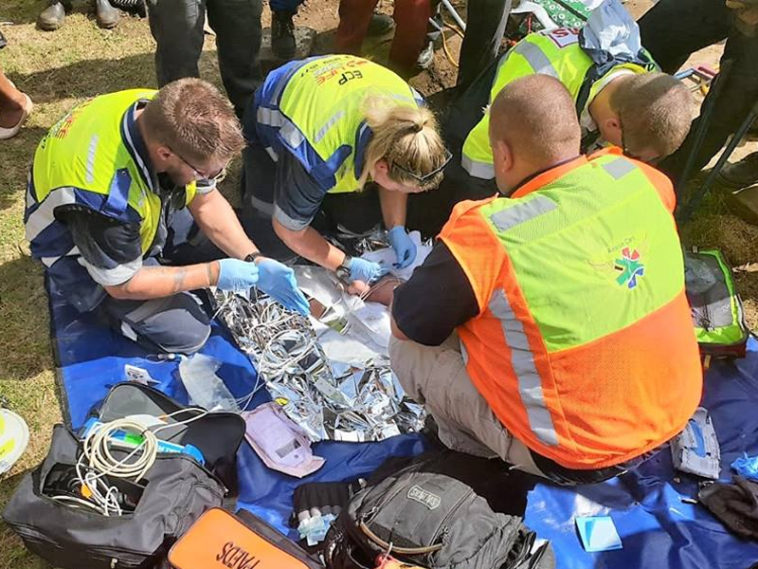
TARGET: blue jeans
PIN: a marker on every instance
(285, 5)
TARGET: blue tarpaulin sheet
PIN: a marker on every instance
(657, 529)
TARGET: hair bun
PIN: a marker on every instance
(417, 127)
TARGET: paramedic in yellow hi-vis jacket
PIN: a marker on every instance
(125, 184)
(626, 101)
(318, 130)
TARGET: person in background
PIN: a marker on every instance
(283, 42)
(177, 26)
(318, 131)
(674, 29)
(15, 108)
(411, 19)
(123, 212)
(549, 325)
(646, 113)
(485, 27)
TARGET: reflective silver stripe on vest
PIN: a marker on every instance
(401, 97)
(505, 219)
(619, 168)
(481, 170)
(522, 359)
(329, 124)
(536, 58)
(280, 86)
(464, 353)
(147, 174)
(50, 261)
(291, 135)
(91, 151)
(43, 215)
(269, 117)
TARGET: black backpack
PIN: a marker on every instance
(429, 519)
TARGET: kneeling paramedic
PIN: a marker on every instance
(318, 130)
(624, 101)
(550, 327)
(113, 192)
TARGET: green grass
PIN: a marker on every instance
(60, 69)
(57, 70)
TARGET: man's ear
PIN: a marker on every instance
(503, 155)
(610, 129)
(163, 152)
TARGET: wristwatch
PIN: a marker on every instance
(343, 271)
(253, 256)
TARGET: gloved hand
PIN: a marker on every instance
(234, 274)
(735, 505)
(278, 281)
(366, 271)
(405, 248)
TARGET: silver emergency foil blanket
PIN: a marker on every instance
(359, 243)
(328, 399)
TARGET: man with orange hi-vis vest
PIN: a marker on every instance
(550, 327)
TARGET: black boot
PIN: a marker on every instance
(106, 15)
(283, 35)
(51, 18)
(740, 174)
(380, 24)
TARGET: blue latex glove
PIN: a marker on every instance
(366, 271)
(405, 248)
(234, 274)
(278, 281)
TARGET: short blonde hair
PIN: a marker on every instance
(195, 120)
(407, 138)
(655, 111)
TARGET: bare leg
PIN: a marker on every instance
(12, 103)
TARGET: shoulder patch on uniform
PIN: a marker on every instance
(563, 37)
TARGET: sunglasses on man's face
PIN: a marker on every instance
(199, 174)
(428, 176)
